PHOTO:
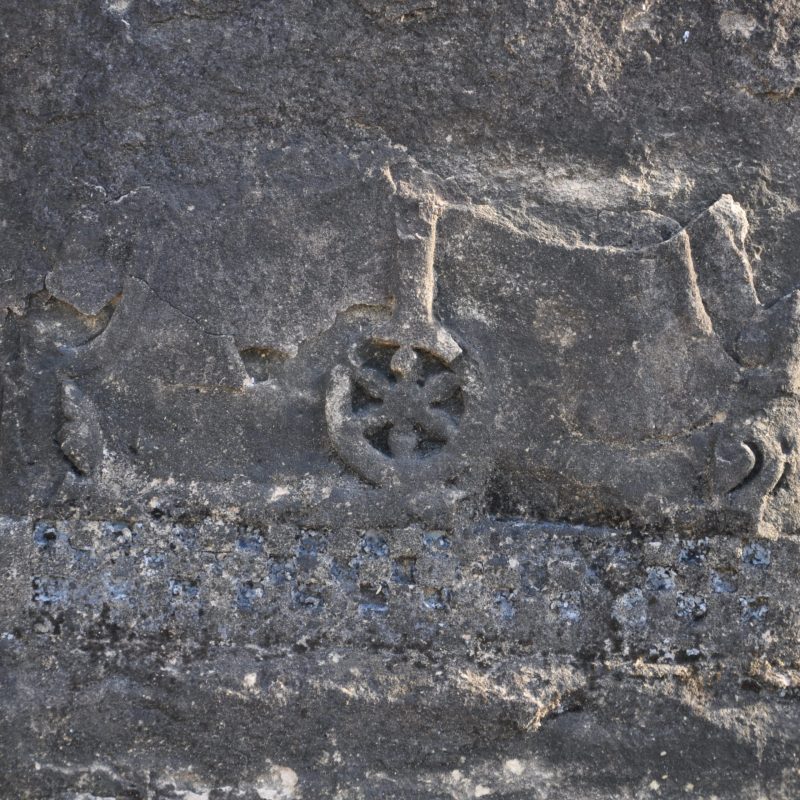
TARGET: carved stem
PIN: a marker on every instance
(416, 231)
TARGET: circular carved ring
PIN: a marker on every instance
(394, 413)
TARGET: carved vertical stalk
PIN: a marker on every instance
(416, 233)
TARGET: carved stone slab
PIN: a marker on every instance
(399, 399)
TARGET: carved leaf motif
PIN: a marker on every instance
(749, 461)
(80, 437)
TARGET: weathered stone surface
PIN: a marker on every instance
(399, 399)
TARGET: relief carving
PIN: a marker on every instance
(394, 411)
(753, 452)
(748, 463)
(80, 437)
(688, 415)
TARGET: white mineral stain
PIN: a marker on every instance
(735, 22)
(288, 777)
(119, 6)
(514, 766)
(279, 784)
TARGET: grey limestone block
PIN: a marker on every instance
(399, 399)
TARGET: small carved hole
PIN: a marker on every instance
(261, 362)
(379, 438)
(378, 358)
(427, 443)
(453, 405)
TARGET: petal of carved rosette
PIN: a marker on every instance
(441, 387)
(438, 424)
(371, 419)
(371, 382)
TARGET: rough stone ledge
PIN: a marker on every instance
(315, 649)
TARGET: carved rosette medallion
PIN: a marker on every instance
(394, 413)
